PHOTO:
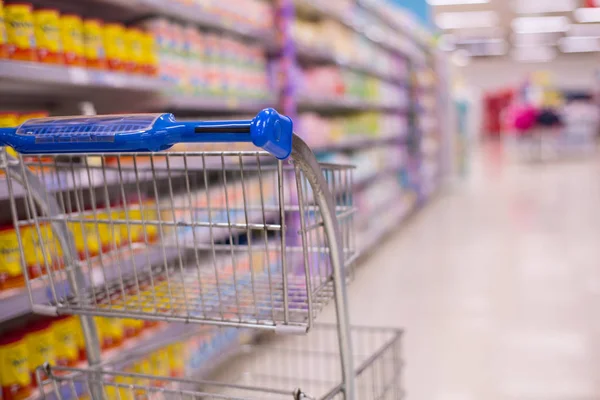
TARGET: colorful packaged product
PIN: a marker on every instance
(19, 32)
(15, 378)
(3, 38)
(66, 350)
(71, 33)
(40, 345)
(93, 44)
(115, 47)
(47, 36)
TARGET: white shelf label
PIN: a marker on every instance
(79, 76)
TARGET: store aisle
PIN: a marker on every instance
(497, 284)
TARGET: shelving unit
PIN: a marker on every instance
(408, 169)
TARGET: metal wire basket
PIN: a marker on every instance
(109, 224)
(228, 238)
(288, 367)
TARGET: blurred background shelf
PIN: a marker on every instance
(323, 56)
(208, 104)
(194, 14)
(344, 105)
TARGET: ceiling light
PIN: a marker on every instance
(590, 14)
(467, 19)
(534, 54)
(584, 30)
(581, 44)
(455, 2)
(542, 6)
(540, 24)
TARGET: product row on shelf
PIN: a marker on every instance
(201, 63)
(44, 35)
(30, 342)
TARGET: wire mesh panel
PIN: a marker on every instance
(225, 238)
(287, 368)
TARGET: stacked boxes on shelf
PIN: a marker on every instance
(206, 64)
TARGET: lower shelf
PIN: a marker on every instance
(283, 367)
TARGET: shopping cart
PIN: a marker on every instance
(112, 221)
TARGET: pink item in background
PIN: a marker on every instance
(523, 117)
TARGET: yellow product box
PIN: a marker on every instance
(3, 39)
(113, 331)
(40, 344)
(159, 362)
(66, 350)
(71, 36)
(98, 235)
(134, 44)
(114, 46)
(15, 377)
(93, 44)
(47, 35)
(120, 389)
(151, 61)
(20, 34)
(177, 359)
(11, 272)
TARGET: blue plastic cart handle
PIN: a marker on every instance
(145, 133)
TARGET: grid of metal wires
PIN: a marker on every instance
(283, 368)
(222, 238)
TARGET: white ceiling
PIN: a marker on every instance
(526, 30)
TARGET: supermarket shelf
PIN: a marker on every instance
(344, 105)
(187, 103)
(366, 181)
(15, 302)
(394, 216)
(194, 14)
(358, 143)
(321, 8)
(375, 9)
(320, 55)
(30, 77)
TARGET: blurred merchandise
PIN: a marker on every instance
(15, 377)
(332, 82)
(19, 31)
(47, 36)
(71, 34)
(201, 63)
(3, 38)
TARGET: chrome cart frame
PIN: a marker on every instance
(165, 244)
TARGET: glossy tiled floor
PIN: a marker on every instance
(497, 284)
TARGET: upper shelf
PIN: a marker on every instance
(372, 33)
(318, 55)
(196, 15)
(33, 84)
(326, 104)
(19, 76)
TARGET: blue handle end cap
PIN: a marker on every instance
(272, 132)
